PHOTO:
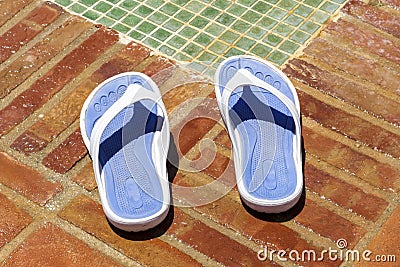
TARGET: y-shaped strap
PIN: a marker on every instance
(134, 93)
(242, 78)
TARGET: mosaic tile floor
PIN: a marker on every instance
(210, 30)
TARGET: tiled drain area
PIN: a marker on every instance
(211, 30)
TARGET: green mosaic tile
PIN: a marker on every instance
(116, 13)
(210, 12)
(287, 4)
(121, 28)
(215, 29)
(161, 34)
(222, 4)
(241, 26)
(237, 10)
(194, 6)
(289, 47)
(209, 72)
(293, 20)
(199, 22)
(272, 1)
(77, 8)
(146, 27)
(309, 27)
(180, 2)
(136, 35)
(198, 66)
(132, 20)
(102, 7)
(184, 15)
(251, 16)
(192, 49)
(182, 57)
(207, 57)
(64, 2)
(188, 32)
(313, 3)
(256, 32)
(226, 19)
(267, 23)
(143, 11)
(303, 11)
(218, 47)
(261, 7)
(106, 21)
(246, 2)
(152, 43)
(169, 9)
(319, 17)
(155, 3)
(88, 2)
(203, 39)
(229, 37)
(261, 50)
(234, 52)
(206, 29)
(299, 37)
(158, 18)
(177, 41)
(245, 43)
(92, 15)
(129, 4)
(113, 1)
(329, 7)
(167, 50)
(277, 14)
(283, 29)
(278, 57)
(173, 25)
(273, 40)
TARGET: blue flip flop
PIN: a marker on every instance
(125, 127)
(261, 111)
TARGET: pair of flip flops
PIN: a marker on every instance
(125, 127)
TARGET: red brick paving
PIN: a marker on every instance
(379, 45)
(347, 80)
(27, 181)
(343, 193)
(85, 177)
(61, 74)
(211, 242)
(349, 90)
(9, 9)
(64, 157)
(348, 158)
(51, 246)
(67, 111)
(365, 132)
(375, 16)
(37, 56)
(385, 243)
(27, 29)
(88, 215)
(12, 220)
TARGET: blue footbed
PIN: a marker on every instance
(266, 128)
(132, 185)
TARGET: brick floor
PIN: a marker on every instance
(347, 79)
